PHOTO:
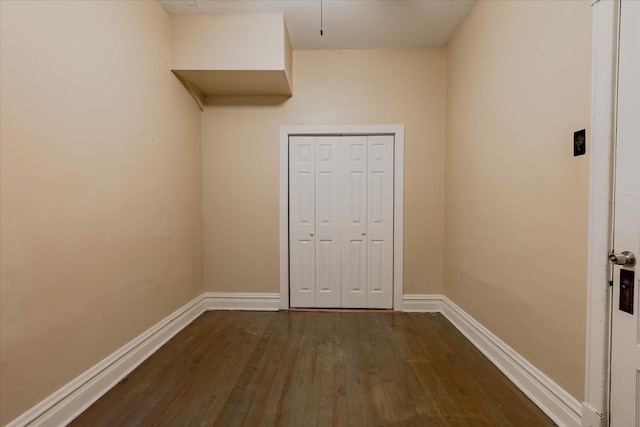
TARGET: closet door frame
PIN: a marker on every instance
(397, 131)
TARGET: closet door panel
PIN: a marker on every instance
(380, 222)
(328, 206)
(341, 221)
(354, 221)
(302, 213)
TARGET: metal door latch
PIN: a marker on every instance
(625, 258)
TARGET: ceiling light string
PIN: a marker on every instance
(321, 26)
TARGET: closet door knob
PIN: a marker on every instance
(311, 234)
(364, 233)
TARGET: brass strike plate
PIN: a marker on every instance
(626, 290)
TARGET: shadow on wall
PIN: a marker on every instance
(245, 100)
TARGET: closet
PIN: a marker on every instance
(341, 221)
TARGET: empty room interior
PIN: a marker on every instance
(208, 174)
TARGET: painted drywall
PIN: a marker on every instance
(100, 188)
(240, 152)
(518, 86)
(228, 41)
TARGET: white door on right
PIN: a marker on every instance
(625, 339)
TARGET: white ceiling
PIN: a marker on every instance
(349, 24)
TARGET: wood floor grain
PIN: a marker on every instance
(316, 369)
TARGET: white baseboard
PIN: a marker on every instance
(591, 417)
(71, 400)
(556, 402)
(422, 303)
(242, 301)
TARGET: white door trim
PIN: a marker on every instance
(398, 192)
(604, 59)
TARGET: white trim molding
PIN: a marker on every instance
(242, 301)
(554, 401)
(398, 197)
(591, 417)
(71, 400)
(595, 408)
(422, 303)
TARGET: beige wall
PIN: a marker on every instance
(228, 41)
(100, 188)
(241, 159)
(518, 86)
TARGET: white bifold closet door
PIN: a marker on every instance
(341, 221)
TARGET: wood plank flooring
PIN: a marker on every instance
(316, 369)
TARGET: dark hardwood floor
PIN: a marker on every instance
(316, 369)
